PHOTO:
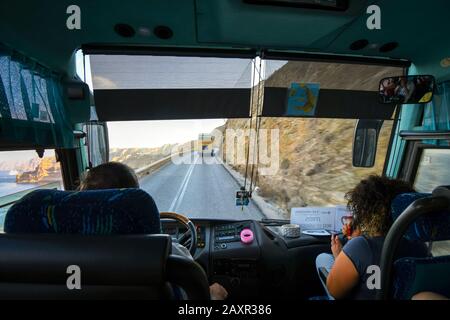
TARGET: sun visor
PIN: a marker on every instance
(171, 104)
(170, 87)
(307, 101)
(311, 89)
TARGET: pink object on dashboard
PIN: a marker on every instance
(246, 236)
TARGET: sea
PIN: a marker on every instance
(8, 184)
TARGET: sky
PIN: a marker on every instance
(142, 72)
(149, 134)
(22, 155)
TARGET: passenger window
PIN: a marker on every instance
(432, 170)
(22, 172)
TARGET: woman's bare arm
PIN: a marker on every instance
(343, 277)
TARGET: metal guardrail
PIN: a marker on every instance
(149, 169)
(152, 167)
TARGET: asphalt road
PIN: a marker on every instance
(197, 190)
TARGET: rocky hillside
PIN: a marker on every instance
(316, 154)
(139, 157)
(46, 170)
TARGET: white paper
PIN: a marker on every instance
(309, 218)
(341, 211)
(319, 218)
(320, 232)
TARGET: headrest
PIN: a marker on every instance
(434, 227)
(95, 212)
(36, 266)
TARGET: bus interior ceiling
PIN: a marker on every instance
(40, 32)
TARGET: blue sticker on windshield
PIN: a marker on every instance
(302, 99)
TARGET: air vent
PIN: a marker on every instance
(359, 44)
(388, 46)
(124, 30)
(163, 32)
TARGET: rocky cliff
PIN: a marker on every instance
(140, 157)
(315, 162)
(46, 170)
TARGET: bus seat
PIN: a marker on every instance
(421, 274)
(94, 212)
(414, 275)
(47, 230)
(431, 228)
(35, 266)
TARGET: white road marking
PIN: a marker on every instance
(182, 190)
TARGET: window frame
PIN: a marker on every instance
(414, 150)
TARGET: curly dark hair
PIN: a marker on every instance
(370, 202)
(110, 175)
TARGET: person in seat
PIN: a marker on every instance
(110, 175)
(116, 175)
(370, 202)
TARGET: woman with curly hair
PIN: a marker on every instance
(370, 201)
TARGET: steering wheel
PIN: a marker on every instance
(189, 238)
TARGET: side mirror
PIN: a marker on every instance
(96, 140)
(365, 142)
(407, 89)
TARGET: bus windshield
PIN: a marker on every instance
(300, 161)
(310, 164)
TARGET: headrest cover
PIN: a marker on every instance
(95, 212)
(434, 227)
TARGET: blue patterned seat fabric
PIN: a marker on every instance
(95, 212)
(413, 275)
(434, 227)
(422, 274)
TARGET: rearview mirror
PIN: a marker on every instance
(407, 89)
(365, 142)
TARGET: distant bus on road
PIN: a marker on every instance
(206, 141)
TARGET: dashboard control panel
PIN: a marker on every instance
(228, 233)
(235, 268)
